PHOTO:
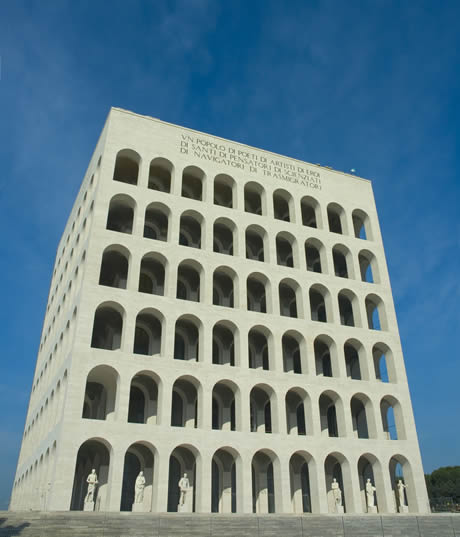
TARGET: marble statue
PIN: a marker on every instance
(370, 497)
(139, 488)
(184, 485)
(92, 483)
(402, 498)
(337, 494)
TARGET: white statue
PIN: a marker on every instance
(184, 485)
(92, 483)
(139, 488)
(370, 490)
(337, 494)
(402, 497)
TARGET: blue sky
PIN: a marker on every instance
(366, 85)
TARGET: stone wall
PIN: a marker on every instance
(78, 524)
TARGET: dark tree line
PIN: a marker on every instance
(444, 483)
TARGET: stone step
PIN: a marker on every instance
(80, 524)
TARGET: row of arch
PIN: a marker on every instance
(225, 240)
(325, 416)
(224, 483)
(193, 186)
(191, 276)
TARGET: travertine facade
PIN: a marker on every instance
(224, 312)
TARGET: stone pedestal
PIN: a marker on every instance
(188, 502)
(88, 506)
(372, 509)
(339, 509)
(403, 509)
(138, 508)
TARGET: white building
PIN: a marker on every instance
(226, 312)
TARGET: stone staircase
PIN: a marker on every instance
(80, 524)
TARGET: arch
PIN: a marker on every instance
(148, 331)
(337, 468)
(404, 497)
(120, 216)
(311, 212)
(143, 398)
(376, 315)
(95, 454)
(223, 287)
(107, 326)
(315, 255)
(193, 180)
(259, 343)
(392, 418)
(336, 218)
(188, 280)
(285, 249)
(160, 172)
(127, 166)
(224, 480)
(156, 221)
(355, 360)
(224, 400)
(326, 360)
(256, 292)
(368, 267)
(361, 225)
(190, 229)
(370, 474)
(223, 343)
(348, 308)
(332, 415)
(224, 236)
(187, 338)
(224, 191)
(266, 480)
(303, 486)
(262, 400)
(290, 298)
(114, 266)
(298, 411)
(256, 238)
(384, 364)
(100, 393)
(362, 416)
(139, 457)
(254, 198)
(183, 460)
(152, 274)
(184, 408)
(320, 303)
(294, 352)
(343, 262)
(283, 205)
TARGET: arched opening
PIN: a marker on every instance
(190, 230)
(264, 483)
(288, 299)
(152, 274)
(184, 408)
(336, 218)
(299, 475)
(338, 488)
(127, 167)
(341, 257)
(314, 255)
(223, 343)
(310, 212)
(160, 175)
(223, 406)
(331, 415)
(188, 281)
(403, 485)
(223, 236)
(361, 226)
(284, 250)
(348, 308)
(114, 267)
(192, 183)
(376, 317)
(353, 352)
(319, 295)
(324, 363)
(254, 196)
(370, 483)
(368, 267)
(94, 454)
(143, 399)
(282, 203)
(262, 403)
(223, 481)
(392, 418)
(223, 287)
(258, 349)
(294, 353)
(383, 363)
(186, 339)
(156, 222)
(256, 293)
(255, 243)
(361, 406)
(297, 405)
(137, 484)
(107, 327)
(147, 334)
(100, 393)
(182, 465)
(121, 214)
(224, 187)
